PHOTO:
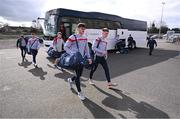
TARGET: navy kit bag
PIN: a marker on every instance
(50, 48)
(54, 54)
(68, 61)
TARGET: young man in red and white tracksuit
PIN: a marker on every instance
(58, 44)
(71, 47)
(100, 48)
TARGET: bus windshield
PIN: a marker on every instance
(50, 25)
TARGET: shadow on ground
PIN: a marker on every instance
(65, 75)
(25, 64)
(51, 60)
(126, 103)
(120, 64)
(38, 72)
(96, 110)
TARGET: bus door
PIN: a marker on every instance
(67, 29)
(123, 35)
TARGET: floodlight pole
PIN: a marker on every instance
(163, 3)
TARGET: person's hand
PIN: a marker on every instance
(90, 61)
(104, 52)
(106, 56)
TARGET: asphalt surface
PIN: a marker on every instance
(148, 87)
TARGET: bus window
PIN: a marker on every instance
(67, 27)
(50, 24)
(74, 25)
(118, 25)
(70, 19)
(110, 25)
(63, 31)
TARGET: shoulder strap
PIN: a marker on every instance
(76, 42)
(98, 43)
(33, 43)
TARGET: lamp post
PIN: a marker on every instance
(163, 3)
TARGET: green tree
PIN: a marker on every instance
(153, 28)
(177, 30)
(164, 29)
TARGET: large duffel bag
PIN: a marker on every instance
(54, 54)
(72, 61)
(68, 61)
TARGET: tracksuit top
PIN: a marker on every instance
(151, 43)
(34, 43)
(102, 46)
(70, 46)
(58, 44)
(21, 42)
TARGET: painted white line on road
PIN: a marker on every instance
(11, 57)
(2, 53)
(6, 88)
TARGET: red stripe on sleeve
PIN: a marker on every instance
(82, 39)
(72, 40)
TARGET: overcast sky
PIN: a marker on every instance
(18, 12)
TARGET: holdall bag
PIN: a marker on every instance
(57, 54)
(50, 48)
(54, 54)
(49, 52)
(68, 61)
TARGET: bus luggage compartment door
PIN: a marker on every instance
(123, 34)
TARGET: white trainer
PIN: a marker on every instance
(70, 83)
(35, 65)
(91, 82)
(81, 96)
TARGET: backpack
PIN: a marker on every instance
(92, 54)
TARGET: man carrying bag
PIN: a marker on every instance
(76, 49)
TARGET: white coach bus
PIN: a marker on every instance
(65, 20)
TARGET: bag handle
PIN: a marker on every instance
(98, 43)
(76, 42)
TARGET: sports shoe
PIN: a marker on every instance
(35, 65)
(70, 83)
(91, 82)
(110, 85)
(55, 66)
(81, 96)
(117, 52)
